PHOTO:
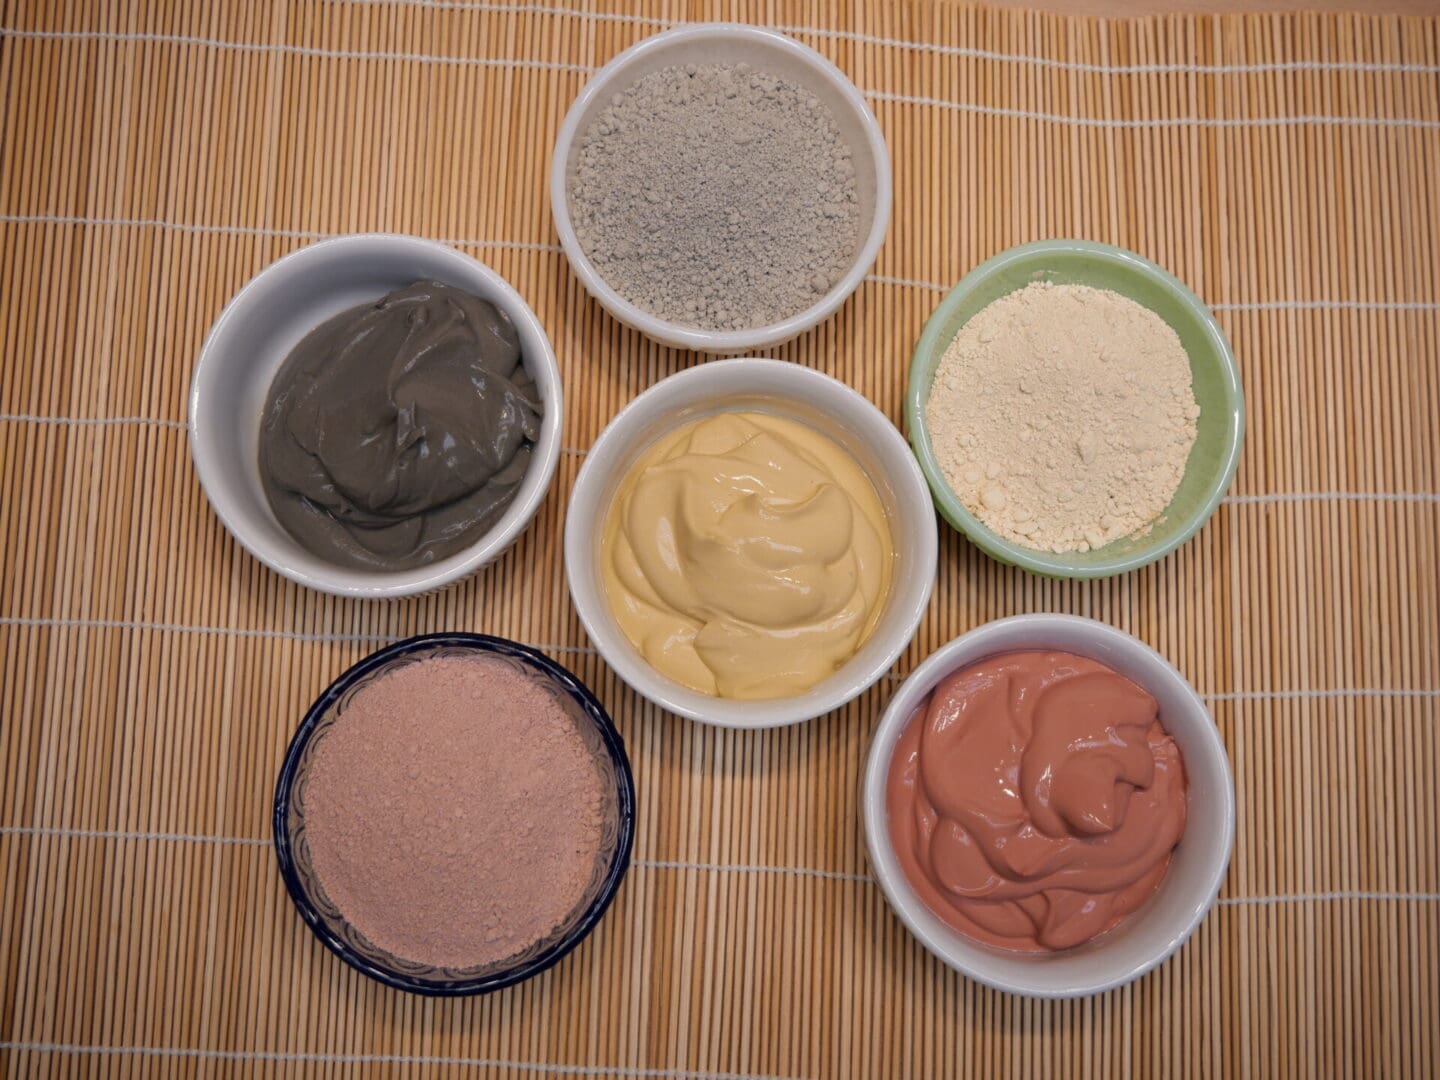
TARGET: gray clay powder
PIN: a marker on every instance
(716, 196)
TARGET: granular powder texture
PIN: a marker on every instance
(716, 196)
(1062, 416)
(454, 812)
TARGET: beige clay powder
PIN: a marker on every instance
(1063, 416)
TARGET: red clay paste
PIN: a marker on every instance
(454, 812)
(1034, 800)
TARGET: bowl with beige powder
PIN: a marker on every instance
(1076, 409)
(455, 814)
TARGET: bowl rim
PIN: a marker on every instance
(617, 651)
(345, 581)
(968, 648)
(677, 334)
(625, 788)
(1053, 564)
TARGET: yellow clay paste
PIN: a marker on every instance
(746, 555)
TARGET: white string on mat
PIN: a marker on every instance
(146, 38)
(1421, 497)
(1332, 305)
(31, 418)
(1260, 305)
(964, 51)
(524, 245)
(909, 283)
(143, 837)
(250, 230)
(874, 95)
(1110, 124)
(751, 868)
(1335, 496)
(543, 1067)
(1300, 694)
(1328, 897)
(1320, 695)
(243, 632)
(1287, 497)
(702, 867)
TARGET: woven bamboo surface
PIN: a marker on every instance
(154, 156)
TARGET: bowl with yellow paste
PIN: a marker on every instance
(750, 543)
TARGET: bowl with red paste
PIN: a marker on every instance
(454, 814)
(1048, 806)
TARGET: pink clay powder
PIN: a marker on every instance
(454, 812)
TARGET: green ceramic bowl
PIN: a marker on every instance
(1220, 427)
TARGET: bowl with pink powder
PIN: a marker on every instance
(454, 814)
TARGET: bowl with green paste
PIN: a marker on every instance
(376, 415)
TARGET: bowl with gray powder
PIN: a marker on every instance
(720, 187)
(1075, 408)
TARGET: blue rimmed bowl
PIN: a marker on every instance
(330, 925)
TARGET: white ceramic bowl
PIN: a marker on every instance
(253, 336)
(765, 50)
(1188, 890)
(788, 390)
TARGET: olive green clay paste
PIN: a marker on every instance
(398, 432)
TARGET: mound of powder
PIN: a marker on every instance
(1063, 416)
(454, 812)
(716, 196)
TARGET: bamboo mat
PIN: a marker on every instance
(154, 156)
